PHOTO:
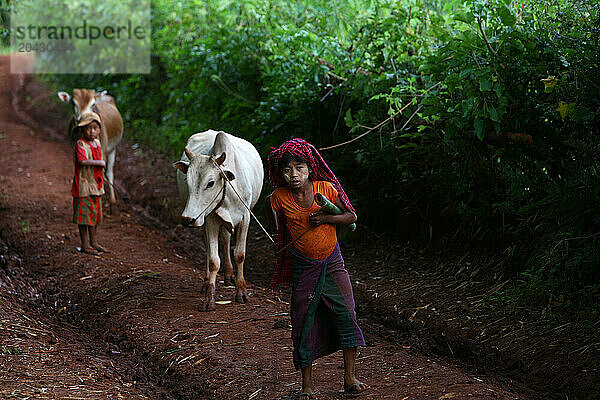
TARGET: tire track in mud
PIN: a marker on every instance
(141, 301)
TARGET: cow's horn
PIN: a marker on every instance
(188, 153)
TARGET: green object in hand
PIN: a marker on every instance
(329, 208)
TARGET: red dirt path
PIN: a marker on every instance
(139, 304)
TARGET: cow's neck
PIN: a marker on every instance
(222, 197)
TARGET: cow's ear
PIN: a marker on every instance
(230, 176)
(64, 97)
(182, 166)
(221, 159)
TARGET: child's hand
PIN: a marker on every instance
(102, 163)
(318, 218)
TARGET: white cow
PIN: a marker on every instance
(212, 203)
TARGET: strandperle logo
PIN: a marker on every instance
(80, 36)
(84, 31)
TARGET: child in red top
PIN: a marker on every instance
(88, 183)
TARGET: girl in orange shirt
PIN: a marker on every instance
(322, 306)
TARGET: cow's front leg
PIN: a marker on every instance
(207, 303)
(241, 296)
(225, 238)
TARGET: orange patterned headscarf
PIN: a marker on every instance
(320, 169)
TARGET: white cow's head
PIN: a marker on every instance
(206, 184)
(82, 100)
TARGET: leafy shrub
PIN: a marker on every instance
(4, 24)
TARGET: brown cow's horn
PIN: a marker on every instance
(188, 153)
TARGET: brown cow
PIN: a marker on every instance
(86, 100)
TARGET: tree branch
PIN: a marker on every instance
(379, 125)
(485, 39)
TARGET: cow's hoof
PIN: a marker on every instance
(229, 281)
(241, 297)
(208, 303)
(114, 210)
(207, 306)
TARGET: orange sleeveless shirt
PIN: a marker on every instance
(319, 241)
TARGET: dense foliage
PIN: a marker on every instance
(480, 118)
(4, 25)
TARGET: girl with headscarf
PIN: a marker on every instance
(310, 261)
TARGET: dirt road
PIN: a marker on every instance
(126, 324)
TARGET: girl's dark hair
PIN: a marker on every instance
(77, 132)
(287, 157)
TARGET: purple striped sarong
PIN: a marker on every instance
(322, 307)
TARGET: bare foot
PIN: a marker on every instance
(307, 395)
(88, 250)
(355, 388)
(101, 249)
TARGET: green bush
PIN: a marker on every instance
(4, 24)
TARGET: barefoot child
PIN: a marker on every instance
(88, 183)
(322, 305)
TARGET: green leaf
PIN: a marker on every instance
(565, 109)
(485, 85)
(582, 114)
(506, 16)
(348, 118)
(549, 84)
(465, 17)
(407, 146)
(498, 89)
(465, 73)
(468, 37)
(479, 126)
(494, 115)
(497, 127)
